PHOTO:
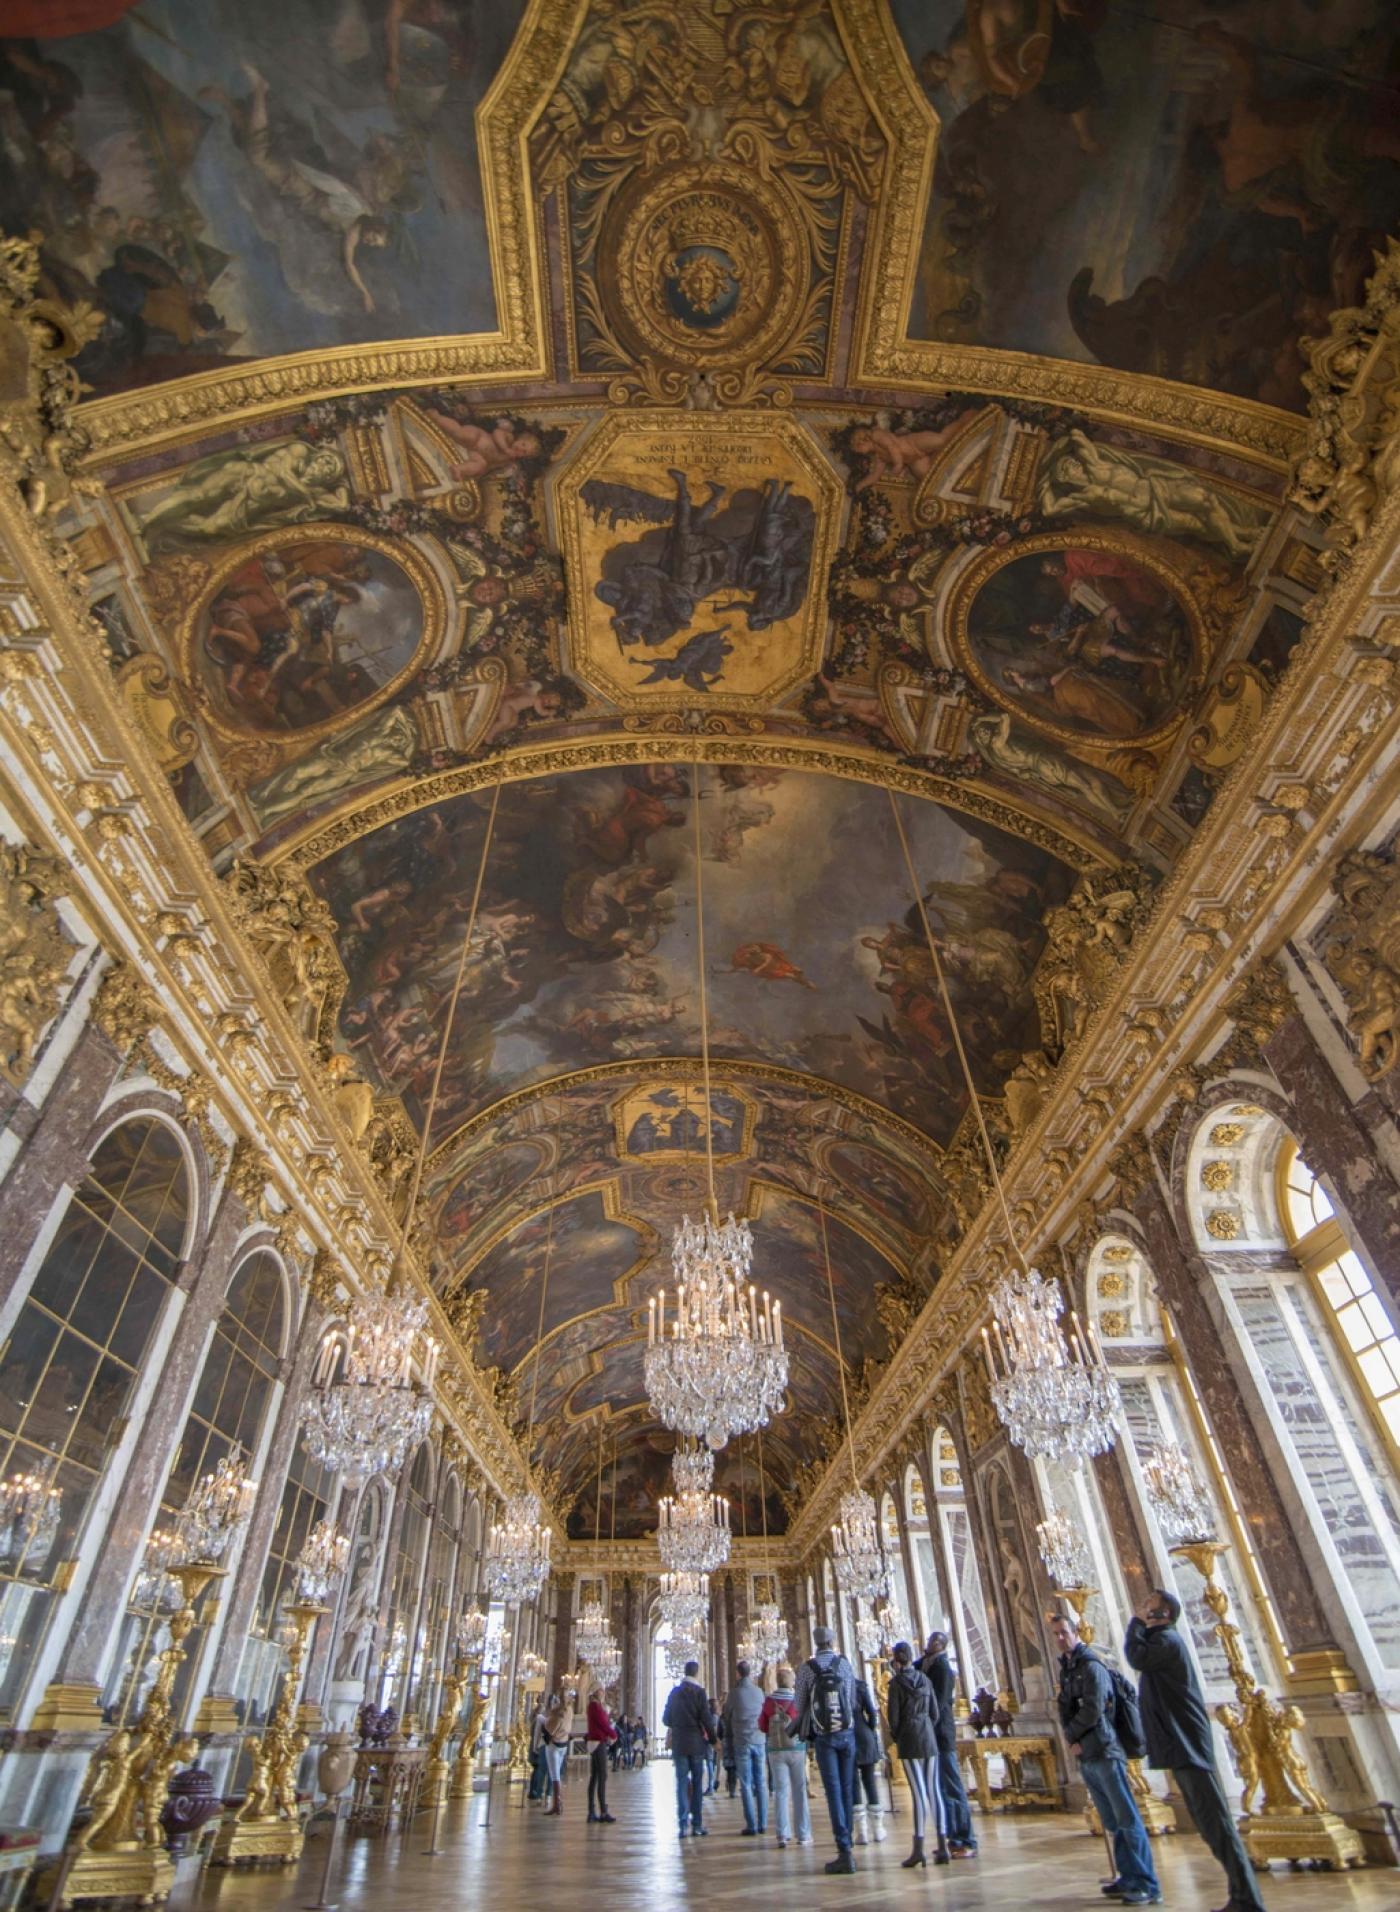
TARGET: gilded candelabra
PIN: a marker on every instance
(465, 1762)
(119, 1852)
(1155, 1813)
(267, 1825)
(1293, 1820)
(454, 1689)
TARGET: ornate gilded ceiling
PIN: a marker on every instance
(745, 405)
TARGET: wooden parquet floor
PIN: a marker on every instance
(524, 1863)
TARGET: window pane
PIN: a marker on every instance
(1358, 1279)
(1376, 1318)
(1375, 1370)
(23, 1367)
(1335, 1285)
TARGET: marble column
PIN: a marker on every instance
(54, 1156)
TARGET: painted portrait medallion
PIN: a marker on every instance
(697, 550)
(311, 625)
(1089, 638)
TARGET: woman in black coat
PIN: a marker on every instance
(913, 1716)
(869, 1812)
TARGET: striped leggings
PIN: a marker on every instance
(922, 1775)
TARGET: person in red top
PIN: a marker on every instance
(601, 1734)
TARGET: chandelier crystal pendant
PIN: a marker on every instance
(1055, 1396)
(1063, 1550)
(680, 1650)
(322, 1560)
(365, 1409)
(1178, 1497)
(592, 1635)
(517, 1556)
(684, 1601)
(692, 1532)
(859, 1553)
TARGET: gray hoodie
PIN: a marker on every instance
(741, 1711)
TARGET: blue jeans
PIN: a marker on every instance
(955, 1806)
(753, 1786)
(836, 1761)
(690, 1789)
(1107, 1780)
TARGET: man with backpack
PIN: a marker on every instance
(826, 1717)
(687, 1716)
(1176, 1727)
(1098, 1712)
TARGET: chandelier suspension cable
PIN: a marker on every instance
(539, 1339)
(955, 1031)
(763, 1506)
(424, 1139)
(598, 1490)
(704, 991)
(840, 1358)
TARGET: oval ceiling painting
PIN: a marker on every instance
(1088, 638)
(309, 626)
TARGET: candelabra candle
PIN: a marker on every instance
(1179, 1500)
(1053, 1398)
(216, 1512)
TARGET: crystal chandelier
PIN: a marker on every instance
(216, 1512)
(722, 1368)
(322, 1560)
(768, 1634)
(607, 1668)
(1053, 1397)
(861, 1569)
(685, 1600)
(1063, 1550)
(1179, 1500)
(878, 1633)
(680, 1650)
(592, 1635)
(154, 1589)
(693, 1524)
(517, 1558)
(365, 1410)
(29, 1510)
(867, 1633)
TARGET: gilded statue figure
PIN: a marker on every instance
(106, 1794)
(257, 1800)
(1081, 479)
(231, 494)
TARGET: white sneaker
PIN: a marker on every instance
(877, 1826)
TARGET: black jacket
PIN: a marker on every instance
(868, 1747)
(937, 1669)
(1175, 1723)
(913, 1714)
(688, 1716)
(1086, 1704)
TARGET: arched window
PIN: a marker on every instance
(967, 1624)
(71, 1364)
(894, 1554)
(228, 1410)
(1358, 1314)
(926, 1603)
(1318, 1338)
(305, 1500)
(402, 1661)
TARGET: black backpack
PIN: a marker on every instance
(1126, 1717)
(827, 1710)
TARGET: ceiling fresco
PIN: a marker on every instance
(225, 180)
(734, 409)
(1193, 188)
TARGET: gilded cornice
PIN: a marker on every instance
(857, 765)
(87, 791)
(640, 1556)
(1320, 769)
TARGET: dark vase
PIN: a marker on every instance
(190, 1802)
